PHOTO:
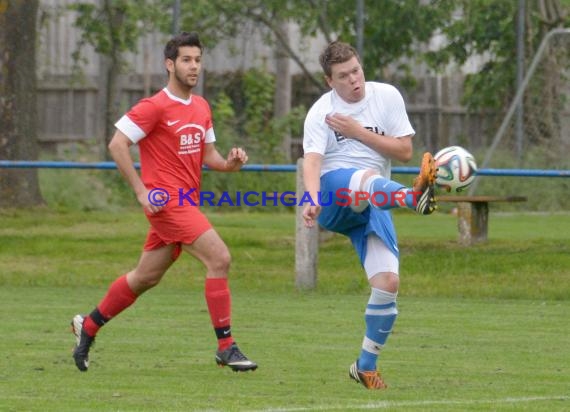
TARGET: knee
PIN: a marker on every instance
(148, 283)
(393, 283)
(140, 281)
(360, 194)
(220, 265)
(367, 174)
(388, 281)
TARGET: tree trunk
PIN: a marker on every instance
(18, 107)
(113, 68)
(282, 102)
(111, 103)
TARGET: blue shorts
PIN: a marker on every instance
(337, 216)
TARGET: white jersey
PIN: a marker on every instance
(382, 111)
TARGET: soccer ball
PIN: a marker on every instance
(456, 168)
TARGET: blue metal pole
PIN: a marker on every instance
(27, 164)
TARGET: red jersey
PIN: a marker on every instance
(171, 133)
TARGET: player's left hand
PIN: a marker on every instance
(237, 157)
(345, 125)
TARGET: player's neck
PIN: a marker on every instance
(182, 92)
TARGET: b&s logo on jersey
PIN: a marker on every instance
(191, 136)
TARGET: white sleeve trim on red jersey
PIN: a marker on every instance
(210, 136)
(130, 129)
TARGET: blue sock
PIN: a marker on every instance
(387, 194)
(381, 313)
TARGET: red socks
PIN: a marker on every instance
(118, 298)
(218, 299)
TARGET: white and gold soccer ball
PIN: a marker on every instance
(456, 168)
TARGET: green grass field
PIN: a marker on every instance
(480, 328)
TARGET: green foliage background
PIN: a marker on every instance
(396, 33)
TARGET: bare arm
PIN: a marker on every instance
(237, 157)
(119, 147)
(312, 181)
(399, 149)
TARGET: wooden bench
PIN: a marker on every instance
(473, 215)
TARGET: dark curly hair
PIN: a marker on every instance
(180, 40)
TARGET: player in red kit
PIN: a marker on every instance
(175, 135)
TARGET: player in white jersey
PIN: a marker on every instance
(350, 136)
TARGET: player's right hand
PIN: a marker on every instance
(310, 214)
(144, 198)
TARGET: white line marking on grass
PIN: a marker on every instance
(393, 404)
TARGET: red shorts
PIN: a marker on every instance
(178, 224)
